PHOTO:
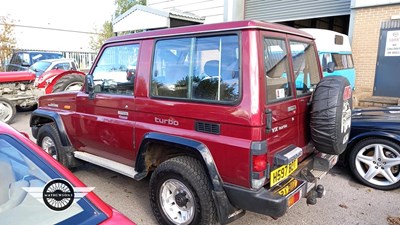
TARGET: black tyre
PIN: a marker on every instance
(69, 82)
(330, 119)
(180, 193)
(49, 139)
(376, 163)
(7, 111)
(26, 108)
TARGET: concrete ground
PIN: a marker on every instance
(346, 201)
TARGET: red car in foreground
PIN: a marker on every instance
(36, 189)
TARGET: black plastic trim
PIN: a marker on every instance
(281, 158)
(261, 201)
(52, 116)
(224, 208)
(258, 147)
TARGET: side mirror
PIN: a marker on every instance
(331, 67)
(25, 64)
(89, 86)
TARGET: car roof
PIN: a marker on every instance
(209, 28)
(57, 60)
(38, 52)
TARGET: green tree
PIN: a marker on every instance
(125, 5)
(107, 30)
(105, 33)
(7, 40)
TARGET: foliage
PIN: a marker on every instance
(7, 40)
(125, 5)
(107, 30)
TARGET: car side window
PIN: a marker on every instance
(62, 66)
(276, 67)
(115, 71)
(197, 68)
(305, 67)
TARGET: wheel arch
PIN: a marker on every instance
(50, 86)
(40, 117)
(226, 211)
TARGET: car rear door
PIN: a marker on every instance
(281, 105)
(306, 72)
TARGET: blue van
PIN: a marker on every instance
(334, 53)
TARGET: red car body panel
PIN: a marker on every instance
(92, 197)
(6, 77)
(95, 126)
(48, 79)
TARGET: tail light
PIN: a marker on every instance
(259, 165)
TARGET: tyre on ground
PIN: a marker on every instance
(69, 82)
(375, 162)
(26, 108)
(330, 118)
(7, 110)
(49, 139)
(180, 193)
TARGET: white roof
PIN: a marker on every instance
(325, 40)
(141, 17)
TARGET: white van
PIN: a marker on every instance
(335, 53)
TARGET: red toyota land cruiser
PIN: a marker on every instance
(224, 117)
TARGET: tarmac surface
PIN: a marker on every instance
(346, 201)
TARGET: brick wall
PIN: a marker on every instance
(365, 42)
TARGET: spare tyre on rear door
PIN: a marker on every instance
(331, 115)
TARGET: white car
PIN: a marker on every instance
(52, 64)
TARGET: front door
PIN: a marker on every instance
(387, 74)
(105, 125)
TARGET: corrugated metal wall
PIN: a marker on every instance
(288, 10)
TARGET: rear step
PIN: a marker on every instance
(106, 163)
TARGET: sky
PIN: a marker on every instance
(61, 16)
(82, 15)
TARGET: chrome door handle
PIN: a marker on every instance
(123, 113)
(291, 108)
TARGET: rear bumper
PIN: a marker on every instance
(267, 201)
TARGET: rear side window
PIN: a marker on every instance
(305, 67)
(276, 69)
(197, 68)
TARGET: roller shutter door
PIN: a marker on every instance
(288, 10)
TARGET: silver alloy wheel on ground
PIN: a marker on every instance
(378, 164)
(177, 202)
(75, 86)
(6, 111)
(49, 146)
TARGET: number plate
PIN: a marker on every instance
(282, 172)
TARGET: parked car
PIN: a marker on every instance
(22, 60)
(26, 168)
(52, 64)
(373, 152)
(21, 89)
(212, 113)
